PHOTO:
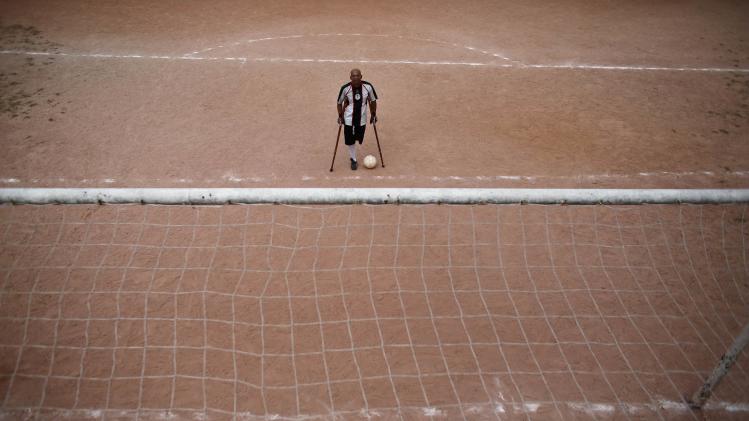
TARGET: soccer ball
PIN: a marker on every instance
(370, 161)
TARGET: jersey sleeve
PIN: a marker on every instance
(342, 94)
(372, 92)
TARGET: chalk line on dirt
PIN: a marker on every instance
(375, 61)
(401, 37)
(495, 408)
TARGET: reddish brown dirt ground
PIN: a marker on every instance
(109, 121)
(386, 312)
(352, 312)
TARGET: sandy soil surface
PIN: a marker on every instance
(463, 119)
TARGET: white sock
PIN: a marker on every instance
(352, 151)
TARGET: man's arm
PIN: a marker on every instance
(373, 106)
(341, 107)
(340, 113)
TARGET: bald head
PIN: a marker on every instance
(355, 77)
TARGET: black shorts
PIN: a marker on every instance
(350, 136)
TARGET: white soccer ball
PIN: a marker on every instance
(370, 161)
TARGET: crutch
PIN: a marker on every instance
(382, 162)
(337, 138)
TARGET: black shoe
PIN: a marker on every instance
(353, 164)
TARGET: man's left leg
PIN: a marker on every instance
(358, 135)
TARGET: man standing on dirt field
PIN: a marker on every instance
(353, 99)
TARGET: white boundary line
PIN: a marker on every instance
(530, 407)
(565, 66)
(399, 37)
(218, 196)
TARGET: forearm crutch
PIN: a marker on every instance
(382, 161)
(337, 138)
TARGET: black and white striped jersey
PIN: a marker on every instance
(358, 98)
